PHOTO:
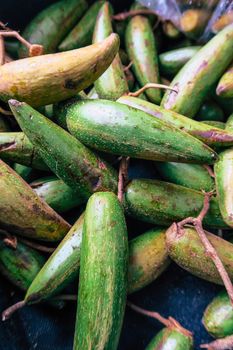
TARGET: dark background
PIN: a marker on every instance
(176, 293)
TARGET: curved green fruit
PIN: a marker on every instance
(56, 194)
(24, 213)
(210, 110)
(196, 78)
(21, 265)
(171, 62)
(141, 48)
(60, 110)
(208, 134)
(23, 171)
(187, 251)
(119, 129)
(225, 85)
(51, 25)
(162, 203)
(148, 258)
(46, 79)
(15, 147)
(229, 123)
(103, 275)
(170, 339)
(188, 175)
(218, 316)
(81, 34)
(72, 162)
(215, 124)
(112, 84)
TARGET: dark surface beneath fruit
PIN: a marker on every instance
(176, 293)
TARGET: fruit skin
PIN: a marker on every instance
(21, 265)
(162, 203)
(188, 175)
(16, 147)
(112, 84)
(56, 194)
(76, 165)
(24, 171)
(60, 110)
(46, 79)
(119, 129)
(225, 85)
(81, 34)
(208, 134)
(171, 62)
(218, 316)
(172, 339)
(215, 124)
(148, 258)
(141, 49)
(23, 212)
(195, 79)
(210, 111)
(50, 26)
(187, 251)
(103, 274)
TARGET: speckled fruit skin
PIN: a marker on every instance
(46, 79)
(187, 250)
(23, 212)
(119, 129)
(210, 135)
(218, 316)
(21, 265)
(225, 85)
(171, 62)
(162, 203)
(192, 176)
(81, 34)
(112, 84)
(56, 194)
(141, 48)
(16, 147)
(103, 275)
(76, 165)
(50, 26)
(172, 339)
(195, 79)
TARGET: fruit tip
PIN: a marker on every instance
(14, 103)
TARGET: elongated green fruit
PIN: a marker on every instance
(51, 25)
(46, 79)
(195, 79)
(189, 175)
(215, 124)
(56, 194)
(171, 62)
(4, 126)
(103, 275)
(225, 85)
(148, 258)
(172, 339)
(15, 147)
(24, 171)
(162, 203)
(81, 34)
(21, 265)
(112, 84)
(23, 212)
(210, 110)
(187, 251)
(141, 48)
(208, 134)
(218, 316)
(71, 161)
(119, 129)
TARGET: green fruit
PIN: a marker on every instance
(103, 275)
(24, 171)
(210, 111)
(171, 339)
(225, 85)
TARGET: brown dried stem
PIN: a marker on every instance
(124, 15)
(220, 344)
(129, 66)
(2, 51)
(37, 246)
(11, 241)
(210, 170)
(34, 49)
(123, 177)
(209, 249)
(5, 112)
(9, 312)
(151, 86)
(169, 322)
